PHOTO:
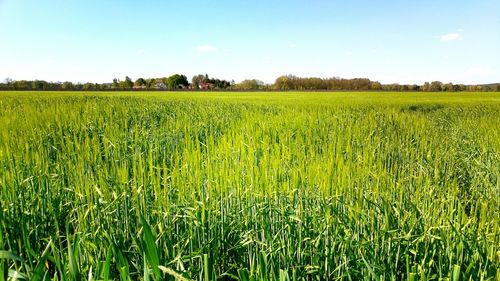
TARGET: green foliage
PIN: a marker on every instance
(127, 83)
(177, 81)
(288, 186)
(283, 83)
(201, 81)
(436, 86)
(249, 85)
(140, 82)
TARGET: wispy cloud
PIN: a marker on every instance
(292, 46)
(141, 51)
(480, 72)
(451, 37)
(206, 49)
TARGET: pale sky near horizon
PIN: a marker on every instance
(389, 41)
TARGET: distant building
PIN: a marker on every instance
(159, 85)
(206, 86)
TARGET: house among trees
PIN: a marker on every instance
(159, 85)
(206, 86)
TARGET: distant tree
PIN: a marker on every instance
(116, 83)
(283, 83)
(7, 84)
(219, 84)
(249, 85)
(67, 86)
(197, 80)
(412, 88)
(106, 86)
(39, 85)
(127, 83)
(335, 84)
(436, 86)
(360, 84)
(150, 83)
(140, 82)
(21, 85)
(426, 87)
(89, 86)
(395, 87)
(448, 87)
(376, 86)
(460, 87)
(177, 81)
(314, 83)
(78, 86)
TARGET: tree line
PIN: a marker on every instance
(291, 82)
(204, 82)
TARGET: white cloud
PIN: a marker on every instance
(292, 46)
(480, 72)
(451, 37)
(141, 51)
(206, 49)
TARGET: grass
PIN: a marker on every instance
(250, 186)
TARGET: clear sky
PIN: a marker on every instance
(390, 41)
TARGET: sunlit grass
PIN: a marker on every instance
(250, 186)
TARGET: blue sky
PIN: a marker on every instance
(389, 41)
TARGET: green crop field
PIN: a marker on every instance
(250, 186)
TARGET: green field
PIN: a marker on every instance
(250, 186)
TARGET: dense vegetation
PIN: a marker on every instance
(282, 83)
(291, 186)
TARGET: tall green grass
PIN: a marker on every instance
(296, 186)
